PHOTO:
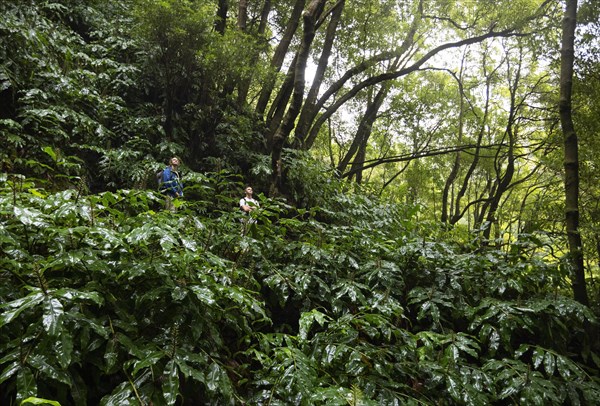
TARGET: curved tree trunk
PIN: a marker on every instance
(383, 77)
(244, 85)
(309, 17)
(456, 165)
(307, 113)
(503, 181)
(500, 189)
(310, 126)
(571, 162)
(363, 132)
(458, 212)
(279, 56)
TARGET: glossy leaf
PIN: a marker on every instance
(549, 363)
(171, 382)
(43, 366)
(306, 320)
(120, 396)
(64, 349)
(39, 401)
(19, 305)
(188, 371)
(30, 217)
(203, 294)
(149, 359)
(26, 385)
(10, 370)
(53, 316)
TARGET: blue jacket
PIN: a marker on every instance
(171, 184)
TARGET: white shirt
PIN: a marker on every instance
(244, 202)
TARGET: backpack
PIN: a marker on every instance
(159, 178)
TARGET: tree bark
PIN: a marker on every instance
(277, 109)
(279, 56)
(457, 160)
(264, 16)
(309, 105)
(242, 15)
(244, 83)
(502, 185)
(503, 181)
(309, 17)
(307, 131)
(221, 20)
(363, 132)
(571, 160)
(458, 212)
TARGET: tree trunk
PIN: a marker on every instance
(242, 15)
(244, 84)
(307, 115)
(359, 160)
(571, 160)
(277, 109)
(221, 20)
(503, 181)
(383, 77)
(309, 127)
(456, 165)
(458, 212)
(264, 16)
(494, 201)
(363, 132)
(309, 17)
(279, 56)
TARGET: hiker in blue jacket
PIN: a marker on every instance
(171, 185)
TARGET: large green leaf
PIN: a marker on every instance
(39, 401)
(79, 390)
(111, 356)
(43, 365)
(307, 319)
(170, 384)
(203, 294)
(184, 359)
(19, 305)
(53, 316)
(121, 396)
(64, 348)
(26, 385)
(30, 217)
(149, 359)
(71, 294)
(10, 370)
(217, 381)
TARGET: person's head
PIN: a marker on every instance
(174, 162)
(248, 190)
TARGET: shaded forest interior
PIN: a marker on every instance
(429, 221)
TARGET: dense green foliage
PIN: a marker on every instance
(344, 291)
(107, 301)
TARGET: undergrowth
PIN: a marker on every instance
(106, 299)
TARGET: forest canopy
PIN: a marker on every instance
(413, 243)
